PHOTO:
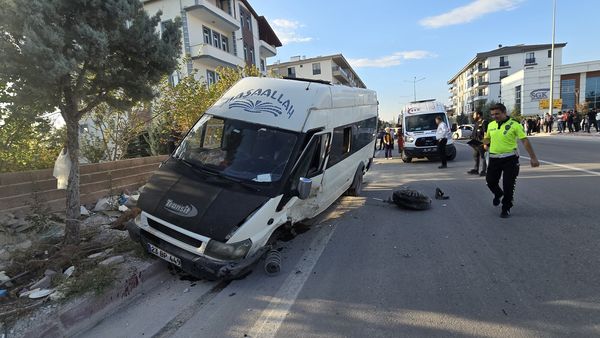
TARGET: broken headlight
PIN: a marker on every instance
(226, 252)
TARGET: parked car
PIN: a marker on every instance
(463, 131)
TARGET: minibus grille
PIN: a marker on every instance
(174, 234)
(425, 141)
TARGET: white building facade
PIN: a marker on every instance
(332, 68)
(480, 80)
(577, 84)
(218, 33)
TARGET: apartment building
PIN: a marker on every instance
(218, 33)
(332, 68)
(480, 80)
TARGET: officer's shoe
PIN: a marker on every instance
(442, 167)
(496, 200)
(473, 172)
(483, 174)
(505, 213)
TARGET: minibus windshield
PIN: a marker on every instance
(237, 149)
(422, 122)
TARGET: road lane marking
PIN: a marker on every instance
(566, 166)
(554, 164)
(276, 311)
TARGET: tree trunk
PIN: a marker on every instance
(73, 204)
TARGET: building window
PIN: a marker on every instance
(316, 68)
(252, 56)
(530, 58)
(225, 43)
(248, 22)
(503, 61)
(567, 93)
(549, 53)
(291, 71)
(592, 92)
(518, 96)
(207, 33)
(216, 39)
(503, 74)
(211, 77)
(224, 5)
(262, 65)
(245, 51)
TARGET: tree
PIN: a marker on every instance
(74, 55)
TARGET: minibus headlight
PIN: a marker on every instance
(409, 139)
(224, 251)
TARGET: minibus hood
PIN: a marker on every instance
(204, 206)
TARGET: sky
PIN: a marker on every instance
(394, 42)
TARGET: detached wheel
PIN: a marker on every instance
(357, 184)
(405, 158)
(452, 155)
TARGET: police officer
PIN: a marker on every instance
(501, 142)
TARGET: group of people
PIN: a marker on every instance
(566, 121)
(386, 139)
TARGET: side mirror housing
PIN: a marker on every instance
(304, 186)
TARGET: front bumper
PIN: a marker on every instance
(198, 266)
(428, 151)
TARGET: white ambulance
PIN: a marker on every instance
(417, 120)
(270, 152)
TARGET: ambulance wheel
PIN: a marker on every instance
(405, 158)
(357, 184)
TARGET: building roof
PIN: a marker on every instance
(506, 50)
(339, 59)
(266, 33)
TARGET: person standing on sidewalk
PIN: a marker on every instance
(441, 135)
(501, 141)
(479, 130)
(388, 142)
(598, 121)
(592, 120)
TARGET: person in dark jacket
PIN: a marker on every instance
(479, 129)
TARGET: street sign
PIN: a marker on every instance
(557, 103)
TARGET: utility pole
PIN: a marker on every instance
(551, 104)
(414, 81)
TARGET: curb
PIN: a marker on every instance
(91, 310)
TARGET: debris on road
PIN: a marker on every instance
(439, 194)
(112, 260)
(273, 262)
(408, 198)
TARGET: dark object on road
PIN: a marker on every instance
(411, 199)
(273, 262)
(439, 194)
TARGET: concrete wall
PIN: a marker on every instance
(19, 190)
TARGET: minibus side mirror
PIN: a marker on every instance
(304, 186)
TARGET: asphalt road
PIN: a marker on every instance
(370, 269)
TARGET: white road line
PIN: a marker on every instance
(555, 164)
(566, 166)
(272, 317)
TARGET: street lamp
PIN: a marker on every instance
(551, 105)
(414, 81)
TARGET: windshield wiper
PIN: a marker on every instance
(219, 174)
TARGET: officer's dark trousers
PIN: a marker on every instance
(508, 168)
(441, 148)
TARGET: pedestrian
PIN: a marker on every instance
(441, 135)
(570, 120)
(400, 140)
(592, 120)
(560, 123)
(380, 138)
(479, 130)
(598, 121)
(576, 121)
(388, 141)
(501, 142)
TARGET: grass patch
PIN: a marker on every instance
(97, 280)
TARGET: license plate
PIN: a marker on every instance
(164, 255)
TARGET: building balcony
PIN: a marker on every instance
(214, 57)
(266, 50)
(340, 74)
(480, 70)
(479, 84)
(504, 64)
(206, 12)
(530, 61)
(480, 97)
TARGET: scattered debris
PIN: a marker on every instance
(105, 203)
(232, 294)
(112, 260)
(40, 293)
(273, 262)
(406, 197)
(439, 194)
(69, 271)
(43, 283)
(186, 290)
(120, 223)
(83, 211)
(123, 208)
